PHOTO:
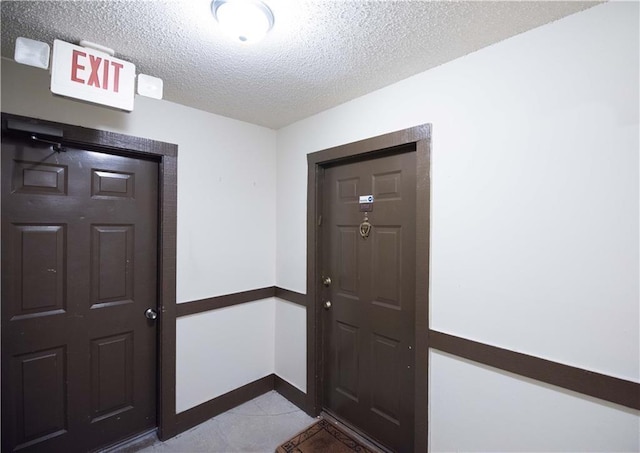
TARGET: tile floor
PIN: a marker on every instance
(257, 426)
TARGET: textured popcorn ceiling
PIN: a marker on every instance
(319, 54)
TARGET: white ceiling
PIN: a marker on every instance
(319, 54)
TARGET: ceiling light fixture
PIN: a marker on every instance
(245, 20)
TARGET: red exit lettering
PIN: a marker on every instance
(99, 71)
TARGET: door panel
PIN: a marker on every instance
(37, 283)
(368, 331)
(40, 394)
(387, 266)
(347, 358)
(112, 264)
(385, 377)
(39, 178)
(111, 376)
(79, 268)
(348, 261)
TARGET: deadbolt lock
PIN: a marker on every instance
(326, 281)
(327, 304)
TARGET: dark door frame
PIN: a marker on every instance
(166, 154)
(420, 137)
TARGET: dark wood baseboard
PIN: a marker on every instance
(291, 296)
(290, 392)
(203, 412)
(608, 388)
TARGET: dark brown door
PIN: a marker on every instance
(369, 327)
(78, 272)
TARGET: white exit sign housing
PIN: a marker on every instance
(87, 74)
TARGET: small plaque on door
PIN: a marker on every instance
(366, 203)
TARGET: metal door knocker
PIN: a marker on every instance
(365, 227)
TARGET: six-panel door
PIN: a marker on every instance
(79, 269)
(369, 328)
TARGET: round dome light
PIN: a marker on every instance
(245, 20)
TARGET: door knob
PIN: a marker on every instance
(326, 281)
(327, 304)
(150, 313)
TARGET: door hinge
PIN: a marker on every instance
(320, 221)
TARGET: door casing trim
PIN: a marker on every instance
(166, 154)
(369, 148)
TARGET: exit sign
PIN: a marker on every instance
(92, 76)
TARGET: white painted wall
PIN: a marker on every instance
(226, 218)
(291, 343)
(238, 349)
(534, 243)
(483, 409)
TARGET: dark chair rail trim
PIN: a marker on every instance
(291, 296)
(214, 303)
(608, 388)
(228, 300)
